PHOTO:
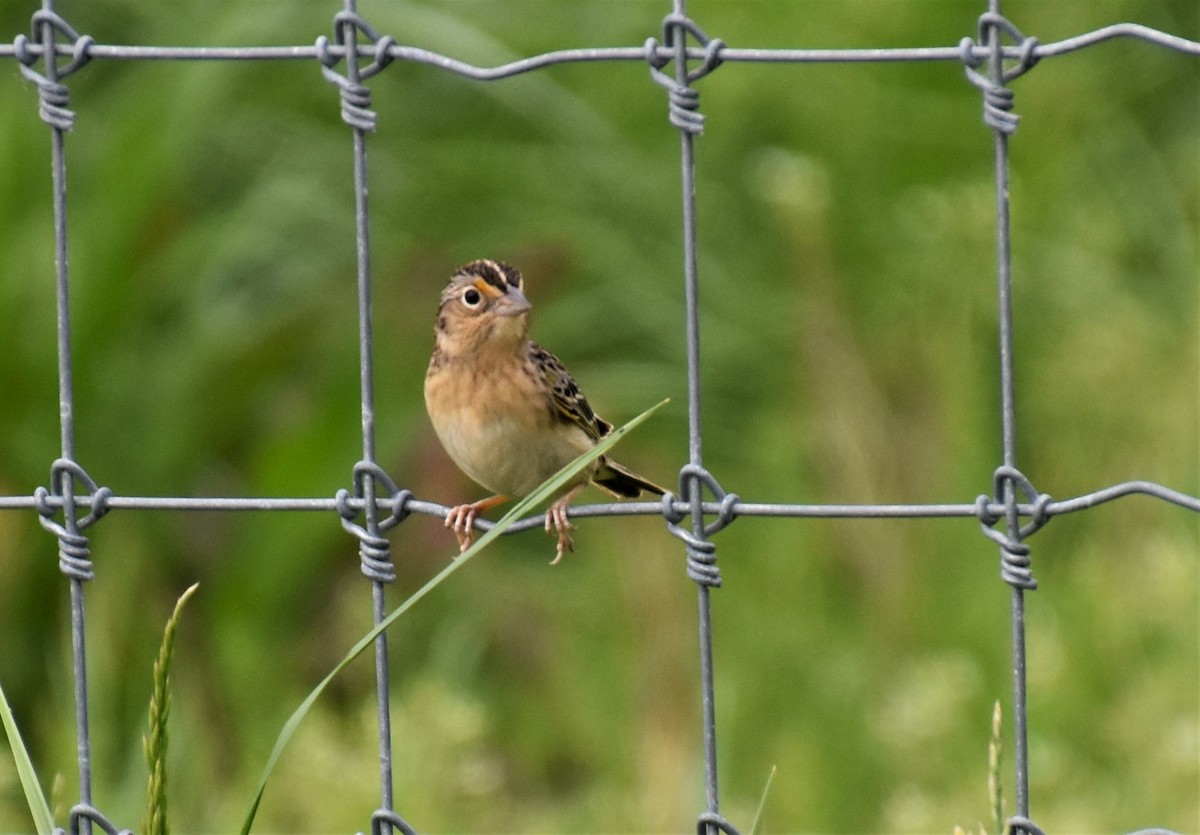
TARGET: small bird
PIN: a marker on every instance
(505, 409)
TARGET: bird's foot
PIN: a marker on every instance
(461, 519)
(557, 522)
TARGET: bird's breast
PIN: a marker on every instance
(499, 428)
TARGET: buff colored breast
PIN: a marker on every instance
(491, 433)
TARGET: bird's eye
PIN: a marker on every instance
(472, 297)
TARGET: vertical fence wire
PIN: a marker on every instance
(72, 491)
(66, 403)
(54, 101)
(1007, 412)
(683, 103)
(998, 115)
(366, 368)
(687, 178)
(374, 547)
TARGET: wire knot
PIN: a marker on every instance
(1015, 559)
(708, 819)
(701, 553)
(373, 548)
(387, 816)
(53, 96)
(683, 101)
(74, 554)
(356, 97)
(83, 811)
(997, 98)
(1022, 824)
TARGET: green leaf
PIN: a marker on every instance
(38, 809)
(548, 489)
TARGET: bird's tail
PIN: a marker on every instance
(618, 481)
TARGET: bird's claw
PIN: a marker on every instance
(557, 522)
(461, 520)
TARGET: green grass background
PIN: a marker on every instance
(846, 245)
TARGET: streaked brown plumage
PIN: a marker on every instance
(506, 410)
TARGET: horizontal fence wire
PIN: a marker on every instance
(1058, 507)
(740, 508)
(998, 54)
(730, 54)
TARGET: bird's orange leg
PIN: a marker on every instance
(556, 518)
(461, 519)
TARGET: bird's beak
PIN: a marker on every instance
(512, 303)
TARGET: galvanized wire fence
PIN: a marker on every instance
(680, 57)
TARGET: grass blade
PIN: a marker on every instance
(548, 489)
(995, 790)
(155, 743)
(34, 797)
(762, 803)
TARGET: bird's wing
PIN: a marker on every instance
(565, 397)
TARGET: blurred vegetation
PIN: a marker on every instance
(846, 239)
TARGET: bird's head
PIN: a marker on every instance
(482, 308)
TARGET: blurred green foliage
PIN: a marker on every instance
(846, 238)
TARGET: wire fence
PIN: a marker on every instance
(682, 55)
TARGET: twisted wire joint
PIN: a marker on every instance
(356, 97)
(1015, 559)
(82, 811)
(1018, 823)
(53, 96)
(373, 548)
(998, 98)
(683, 100)
(701, 553)
(74, 554)
(383, 816)
(713, 819)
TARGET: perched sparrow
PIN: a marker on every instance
(505, 408)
